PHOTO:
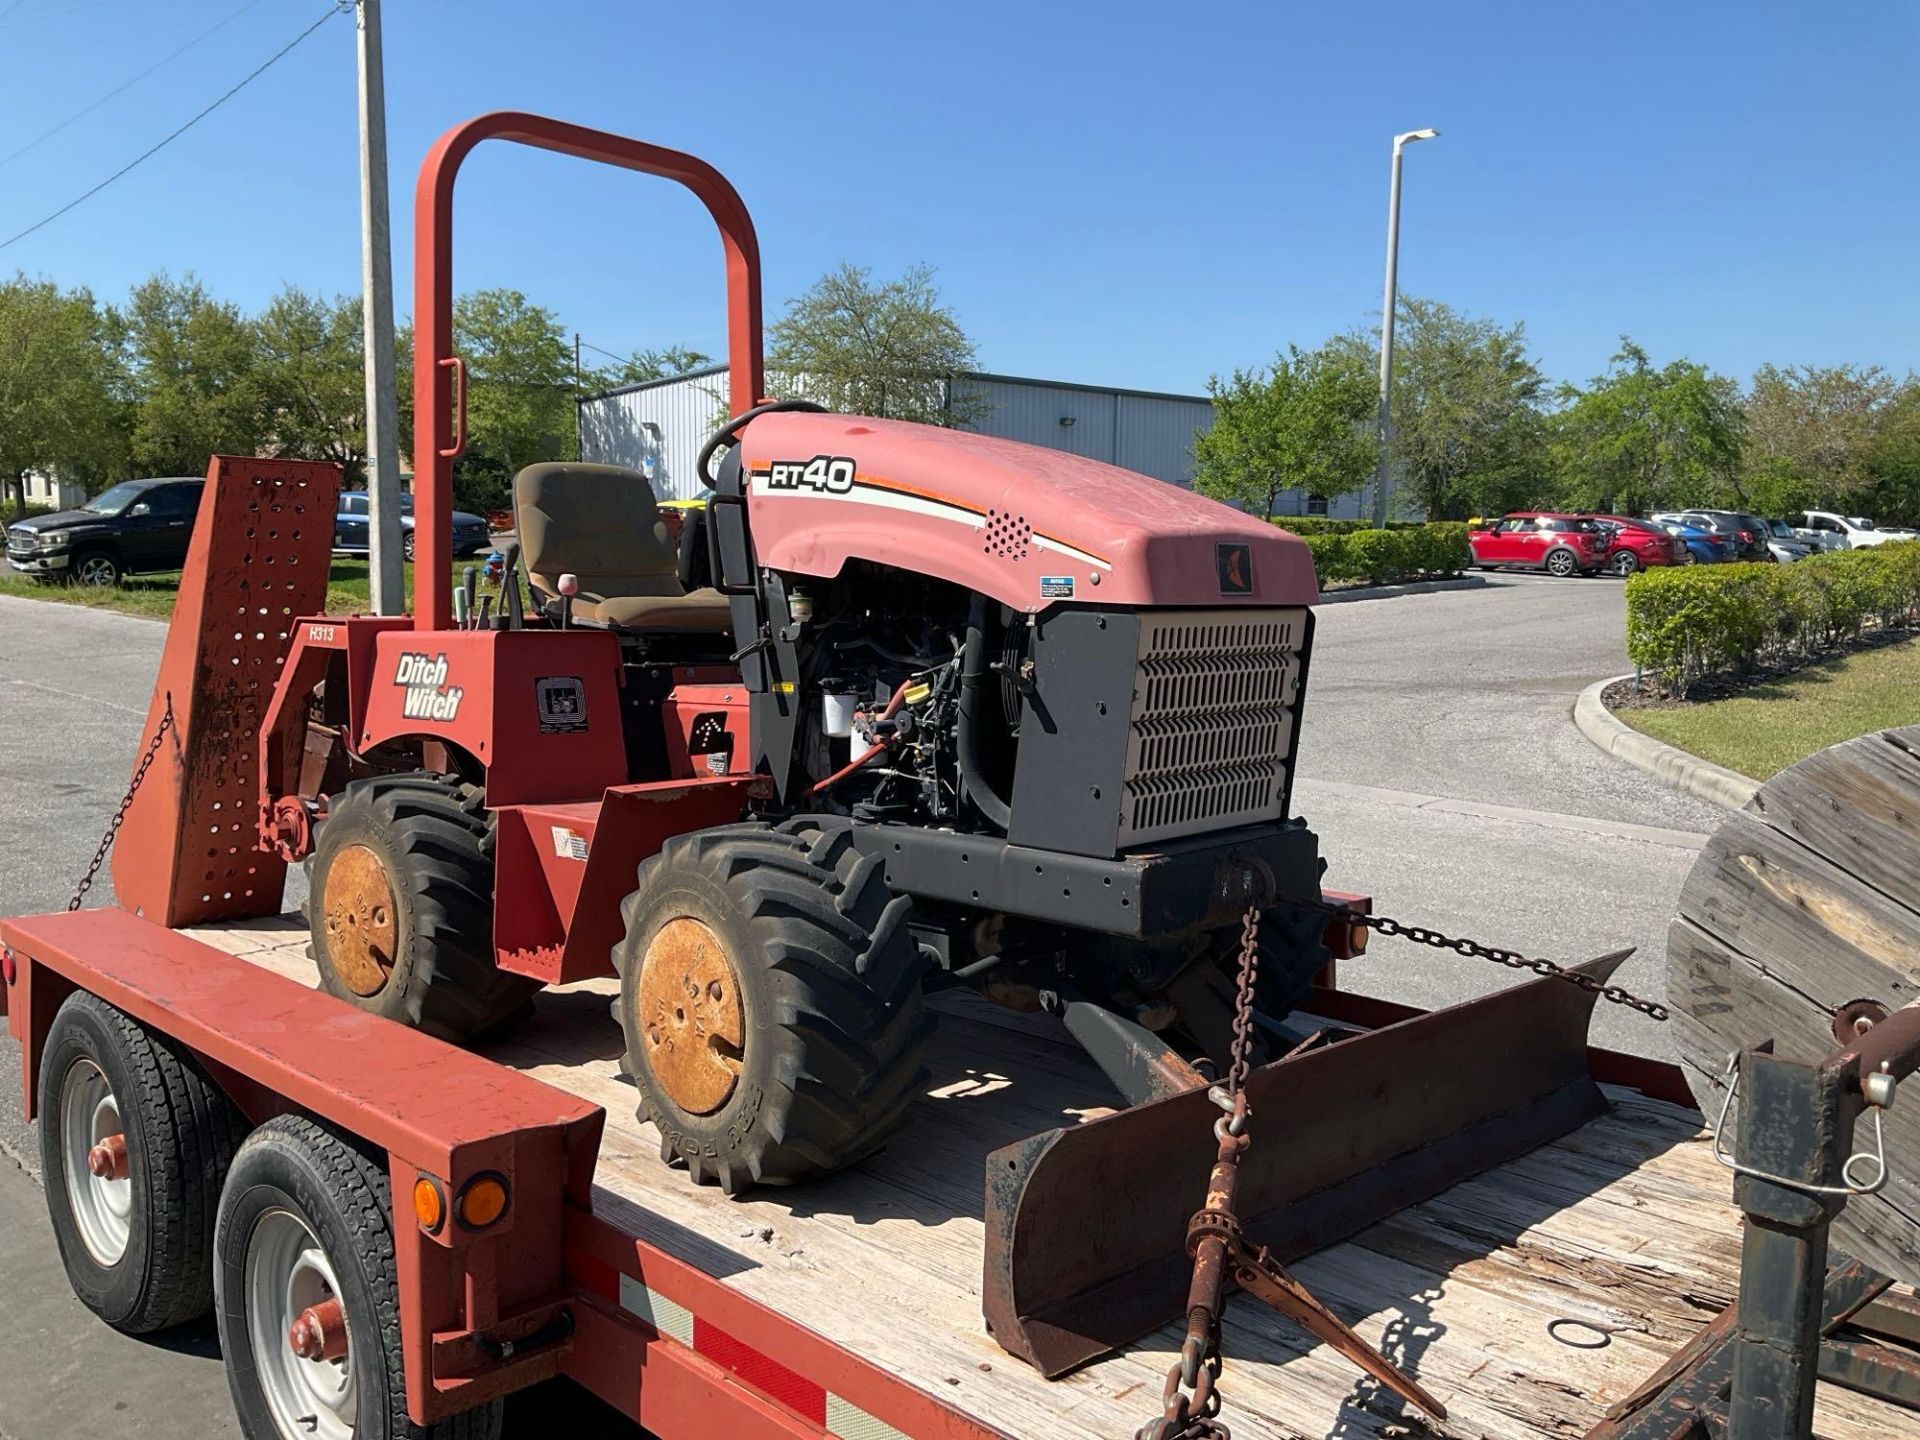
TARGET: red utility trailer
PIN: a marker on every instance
(393, 1233)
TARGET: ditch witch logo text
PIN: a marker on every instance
(424, 678)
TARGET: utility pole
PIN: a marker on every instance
(1383, 472)
(376, 301)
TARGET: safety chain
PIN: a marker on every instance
(1190, 1400)
(126, 803)
(1512, 959)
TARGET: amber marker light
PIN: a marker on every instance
(483, 1200)
(429, 1204)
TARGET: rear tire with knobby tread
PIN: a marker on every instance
(343, 1196)
(830, 980)
(181, 1135)
(434, 840)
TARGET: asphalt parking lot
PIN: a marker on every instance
(1439, 765)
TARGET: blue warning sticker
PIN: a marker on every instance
(1056, 587)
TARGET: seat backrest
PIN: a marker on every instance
(599, 522)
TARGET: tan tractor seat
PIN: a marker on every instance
(600, 524)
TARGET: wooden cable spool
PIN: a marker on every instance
(1804, 901)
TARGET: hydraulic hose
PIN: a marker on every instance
(973, 677)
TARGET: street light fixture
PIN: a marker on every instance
(1388, 305)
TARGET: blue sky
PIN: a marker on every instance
(1115, 193)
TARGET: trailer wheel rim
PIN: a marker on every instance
(358, 914)
(287, 1271)
(102, 1206)
(690, 1017)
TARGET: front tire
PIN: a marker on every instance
(401, 907)
(770, 998)
(96, 569)
(306, 1224)
(1561, 563)
(135, 1233)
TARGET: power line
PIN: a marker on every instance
(602, 350)
(51, 14)
(125, 86)
(151, 151)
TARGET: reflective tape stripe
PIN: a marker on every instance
(840, 1417)
(669, 1317)
(848, 1421)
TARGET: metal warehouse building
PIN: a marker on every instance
(657, 427)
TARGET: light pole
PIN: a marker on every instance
(1387, 307)
(376, 301)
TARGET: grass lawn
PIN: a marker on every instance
(1763, 730)
(347, 590)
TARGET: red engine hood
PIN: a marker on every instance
(1030, 526)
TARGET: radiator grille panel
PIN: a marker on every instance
(1210, 738)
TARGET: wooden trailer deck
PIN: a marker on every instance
(1626, 1225)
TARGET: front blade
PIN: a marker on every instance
(1086, 1225)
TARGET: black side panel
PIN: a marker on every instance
(1073, 732)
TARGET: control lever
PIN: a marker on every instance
(569, 584)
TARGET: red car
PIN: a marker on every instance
(1634, 544)
(1559, 544)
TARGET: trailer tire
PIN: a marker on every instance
(421, 844)
(307, 1216)
(825, 1003)
(137, 1257)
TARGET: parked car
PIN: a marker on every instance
(1785, 544)
(1744, 536)
(135, 527)
(1703, 547)
(351, 526)
(1635, 544)
(1559, 544)
(1847, 532)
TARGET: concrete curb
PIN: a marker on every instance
(1415, 587)
(1665, 762)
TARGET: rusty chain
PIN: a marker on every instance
(1190, 1400)
(1512, 959)
(126, 803)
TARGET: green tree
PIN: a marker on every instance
(311, 378)
(1638, 438)
(889, 349)
(520, 400)
(192, 365)
(1304, 423)
(1892, 491)
(1468, 432)
(645, 365)
(1816, 423)
(57, 409)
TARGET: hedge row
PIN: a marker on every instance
(1686, 623)
(1383, 557)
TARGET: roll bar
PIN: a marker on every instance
(439, 375)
